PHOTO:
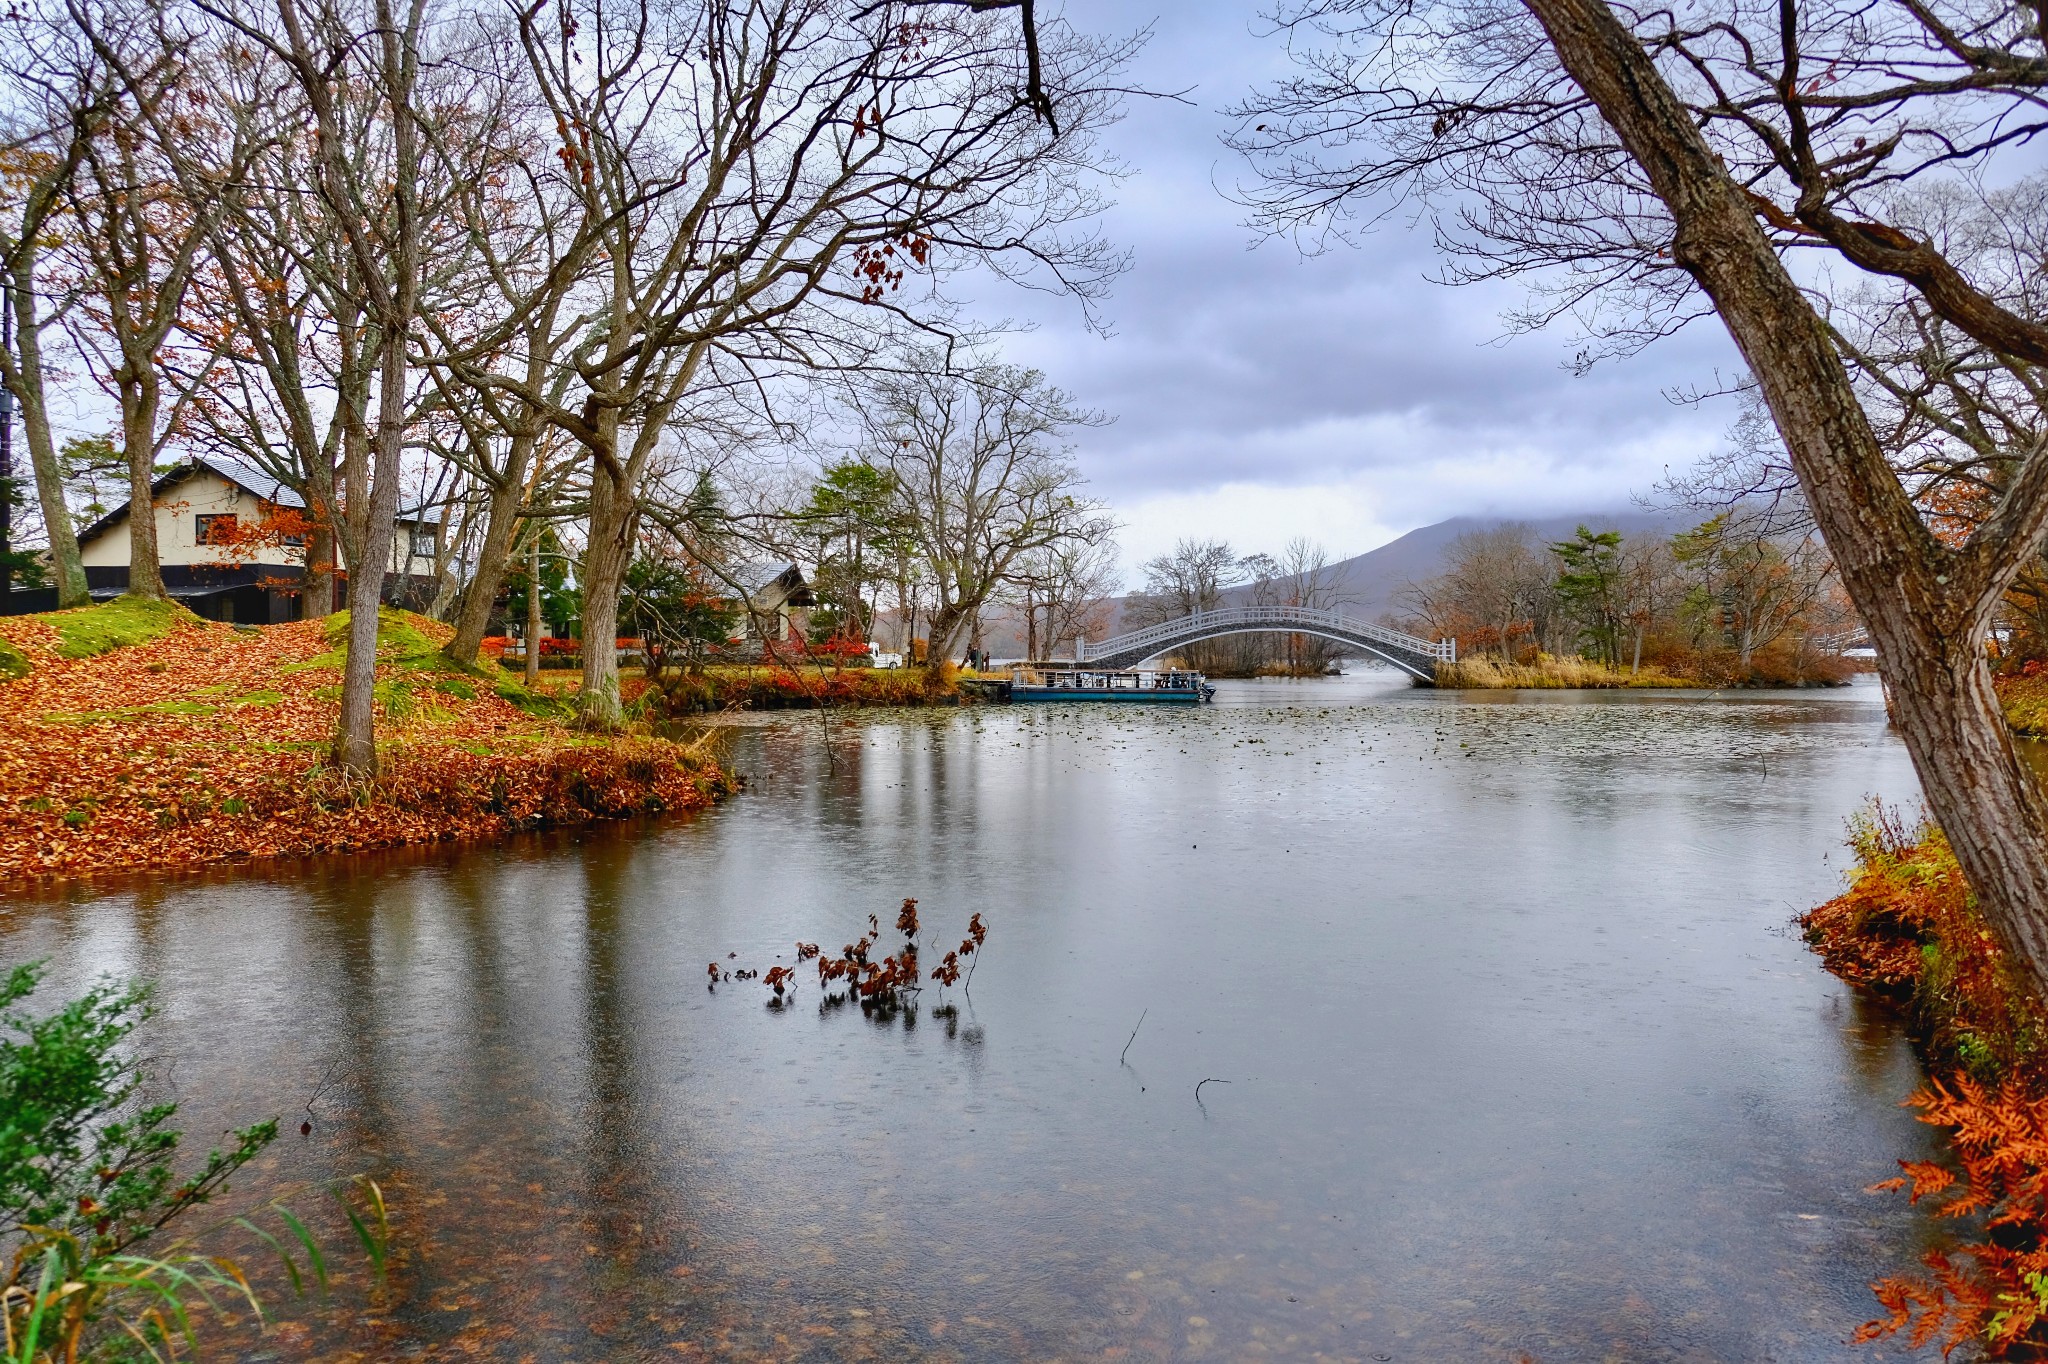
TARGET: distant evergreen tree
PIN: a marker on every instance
(1589, 581)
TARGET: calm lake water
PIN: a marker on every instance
(1523, 1058)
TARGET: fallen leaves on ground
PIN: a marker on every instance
(2023, 694)
(209, 745)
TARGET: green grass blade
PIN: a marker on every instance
(43, 1299)
(291, 1266)
(305, 1238)
(371, 1245)
(376, 1244)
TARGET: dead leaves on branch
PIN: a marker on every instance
(857, 975)
(207, 745)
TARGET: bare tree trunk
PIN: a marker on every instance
(1928, 608)
(138, 389)
(612, 514)
(450, 538)
(533, 610)
(446, 592)
(27, 363)
(353, 524)
(947, 623)
(494, 559)
(317, 595)
(355, 738)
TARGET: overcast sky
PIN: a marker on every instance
(1258, 395)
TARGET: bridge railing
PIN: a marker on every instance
(1267, 618)
(1839, 641)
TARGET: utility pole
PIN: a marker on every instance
(6, 449)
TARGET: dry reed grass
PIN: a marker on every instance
(1548, 672)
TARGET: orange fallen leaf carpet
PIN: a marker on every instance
(208, 743)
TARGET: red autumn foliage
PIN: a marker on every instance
(838, 648)
(208, 745)
(274, 529)
(716, 689)
(1907, 929)
(1992, 1292)
(947, 972)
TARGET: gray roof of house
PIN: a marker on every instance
(253, 479)
(245, 476)
(241, 475)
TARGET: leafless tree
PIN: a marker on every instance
(731, 168)
(1495, 587)
(333, 49)
(54, 95)
(981, 465)
(1651, 590)
(1062, 593)
(1193, 577)
(1303, 577)
(135, 239)
(289, 397)
(1190, 578)
(1647, 166)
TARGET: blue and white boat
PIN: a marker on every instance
(1043, 683)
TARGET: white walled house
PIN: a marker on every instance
(256, 581)
(782, 606)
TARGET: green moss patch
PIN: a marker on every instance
(13, 662)
(537, 704)
(399, 640)
(396, 698)
(265, 697)
(121, 623)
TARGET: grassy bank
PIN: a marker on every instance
(1907, 931)
(142, 736)
(769, 688)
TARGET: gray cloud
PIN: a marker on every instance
(1255, 388)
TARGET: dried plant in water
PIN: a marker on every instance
(857, 975)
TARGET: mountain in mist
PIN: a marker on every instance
(1369, 585)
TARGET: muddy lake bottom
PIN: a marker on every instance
(1520, 1056)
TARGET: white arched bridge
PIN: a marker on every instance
(1417, 657)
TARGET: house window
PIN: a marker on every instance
(215, 529)
(423, 538)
